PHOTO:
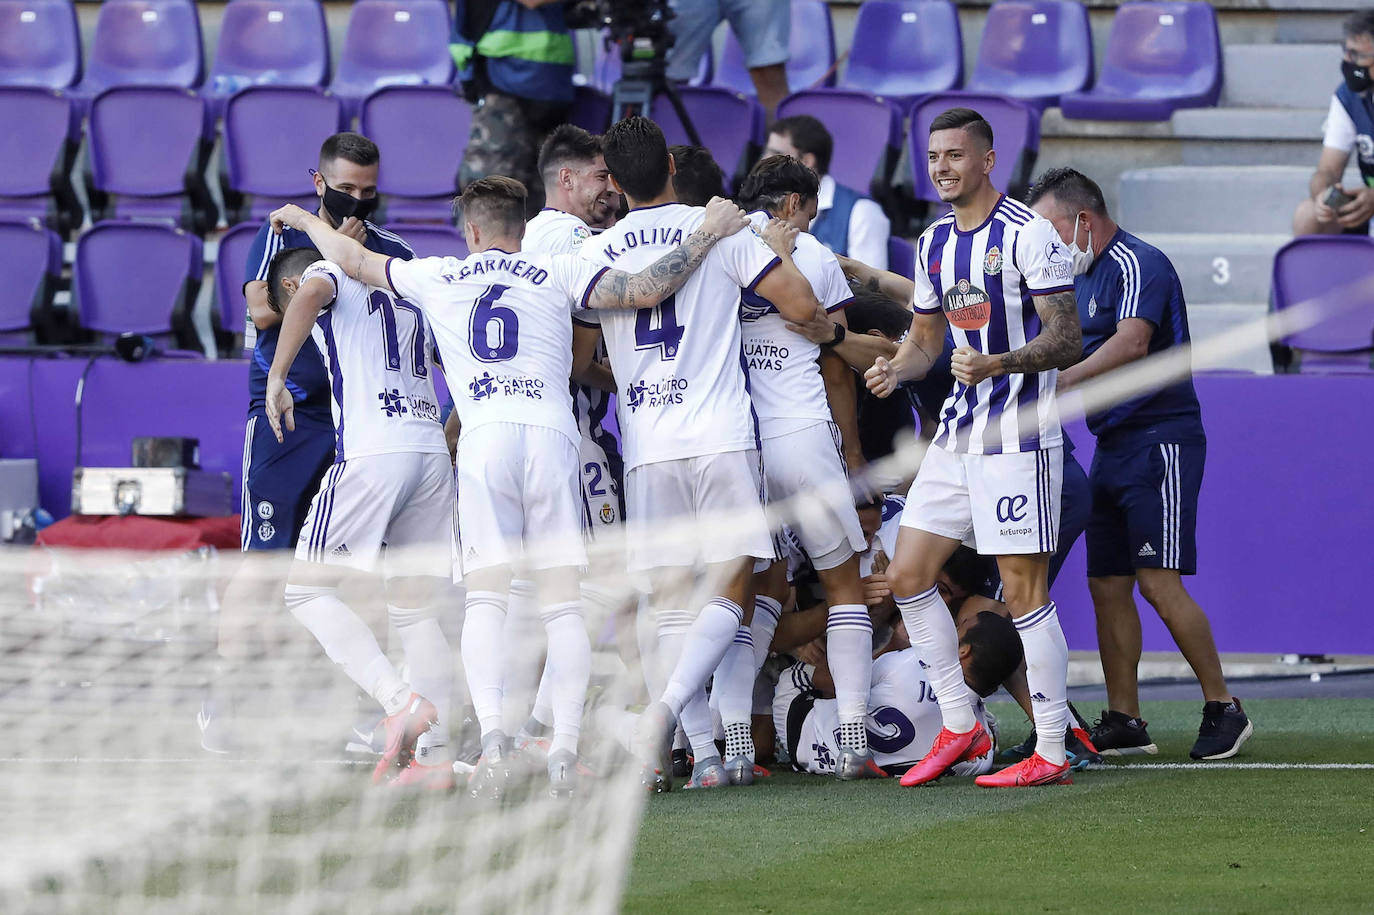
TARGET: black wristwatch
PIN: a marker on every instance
(839, 335)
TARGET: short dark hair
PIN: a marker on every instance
(969, 569)
(808, 135)
(353, 147)
(1071, 188)
(698, 177)
(495, 201)
(286, 262)
(567, 144)
(965, 119)
(1360, 22)
(772, 179)
(996, 650)
(637, 157)
(872, 310)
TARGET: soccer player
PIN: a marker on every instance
(1146, 472)
(390, 484)
(902, 715)
(690, 436)
(998, 274)
(279, 478)
(803, 462)
(502, 322)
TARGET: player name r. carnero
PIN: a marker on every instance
(764, 355)
(516, 267)
(663, 236)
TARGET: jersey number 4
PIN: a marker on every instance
(658, 327)
(494, 333)
(379, 301)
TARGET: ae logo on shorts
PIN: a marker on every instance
(1011, 508)
(966, 306)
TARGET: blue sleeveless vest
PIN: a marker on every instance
(525, 53)
(1361, 111)
(831, 227)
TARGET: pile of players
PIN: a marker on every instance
(730, 338)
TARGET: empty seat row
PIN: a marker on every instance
(276, 42)
(149, 147)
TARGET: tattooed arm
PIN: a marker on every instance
(893, 285)
(1058, 345)
(665, 276)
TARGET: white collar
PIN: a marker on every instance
(825, 195)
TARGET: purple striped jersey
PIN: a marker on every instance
(984, 280)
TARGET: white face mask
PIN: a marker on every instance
(1082, 258)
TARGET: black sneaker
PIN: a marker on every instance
(1225, 726)
(1022, 750)
(682, 764)
(1115, 734)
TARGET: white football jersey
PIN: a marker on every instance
(903, 720)
(680, 366)
(985, 281)
(554, 232)
(503, 323)
(784, 377)
(380, 359)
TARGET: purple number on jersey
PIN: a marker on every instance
(508, 327)
(658, 327)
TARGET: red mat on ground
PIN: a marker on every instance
(137, 532)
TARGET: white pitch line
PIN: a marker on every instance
(1229, 765)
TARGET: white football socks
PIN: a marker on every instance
(936, 641)
(767, 612)
(430, 659)
(1047, 673)
(849, 649)
(349, 643)
(705, 644)
(732, 691)
(568, 670)
(484, 653)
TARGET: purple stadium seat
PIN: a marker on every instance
(811, 47)
(138, 278)
(1160, 56)
(870, 128)
(269, 42)
(905, 48)
(1034, 50)
(30, 266)
(430, 240)
(264, 164)
(591, 109)
(35, 162)
(124, 400)
(15, 403)
(730, 125)
(40, 44)
(148, 150)
(1323, 265)
(901, 257)
(419, 173)
(231, 310)
(144, 43)
(391, 43)
(1015, 133)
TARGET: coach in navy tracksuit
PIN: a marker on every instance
(279, 480)
(1147, 470)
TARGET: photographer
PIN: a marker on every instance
(515, 63)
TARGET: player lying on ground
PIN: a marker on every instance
(903, 716)
(502, 320)
(391, 484)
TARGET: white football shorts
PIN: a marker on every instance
(402, 500)
(805, 475)
(698, 509)
(519, 499)
(1001, 504)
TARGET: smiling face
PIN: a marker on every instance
(959, 165)
(591, 192)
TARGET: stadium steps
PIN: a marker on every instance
(1216, 269)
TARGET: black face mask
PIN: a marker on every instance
(1357, 79)
(340, 206)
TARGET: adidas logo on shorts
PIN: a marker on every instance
(341, 551)
(1146, 550)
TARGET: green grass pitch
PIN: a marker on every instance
(1127, 838)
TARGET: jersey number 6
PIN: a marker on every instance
(485, 313)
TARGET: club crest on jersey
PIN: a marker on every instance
(607, 514)
(992, 261)
(967, 307)
(1092, 307)
(266, 531)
